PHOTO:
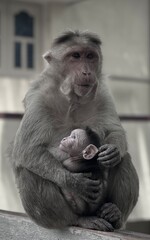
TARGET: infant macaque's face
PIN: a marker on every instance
(75, 143)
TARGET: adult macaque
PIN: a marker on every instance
(71, 93)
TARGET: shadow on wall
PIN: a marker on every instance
(9, 198)
(140, 226)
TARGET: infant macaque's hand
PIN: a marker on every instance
(90, 151)
(109, 155)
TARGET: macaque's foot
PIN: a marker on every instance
(95, 223)
(111, 213)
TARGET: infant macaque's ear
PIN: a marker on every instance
(47, 56)
(90, 151)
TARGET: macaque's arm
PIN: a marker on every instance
(114, 147)
(31, 151)
(117, 137)
(32, 140)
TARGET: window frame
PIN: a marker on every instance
(4, 40)
(8, 11)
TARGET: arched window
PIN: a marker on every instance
(24, 24)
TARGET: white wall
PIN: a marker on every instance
(9, 197)
(12, 91)
(122, 25)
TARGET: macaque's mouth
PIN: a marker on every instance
(84, 85)
(62, 147)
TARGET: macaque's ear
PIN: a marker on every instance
(65, 87)
(47, 56)
(90, 151)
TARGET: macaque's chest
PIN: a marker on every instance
(86, 115)
(69, 118)
(81, 116)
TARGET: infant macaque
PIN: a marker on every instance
(82, 149)
(78, 153)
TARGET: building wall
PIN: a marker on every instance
(122, 25)
(124, 29)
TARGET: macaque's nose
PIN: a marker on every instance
(86, 73)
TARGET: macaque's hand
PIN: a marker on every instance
(85, 186)
(109, 155)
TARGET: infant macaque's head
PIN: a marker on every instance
(81, 142)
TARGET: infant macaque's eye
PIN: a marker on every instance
(73, 136)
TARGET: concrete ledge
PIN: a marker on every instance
(14, 226)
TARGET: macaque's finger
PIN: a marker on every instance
(94, 196)
(107, 149)
(95, 223)
(91, 197)
(106, 210)
(88, 175)
(103, 147)
(110, 212)
(92, 182)
(108, 157)
(114, 218)
(113, 162)
(106, 205)
(109, 216)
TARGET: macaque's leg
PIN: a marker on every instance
(95, 223)
(123, 187)
(44, 202)
(111, 213)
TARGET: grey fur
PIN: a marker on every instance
(51, 114)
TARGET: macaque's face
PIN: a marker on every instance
(78, 59)
(81, 69)
(75, 143)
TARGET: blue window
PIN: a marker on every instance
(17, 54)
(30, 52)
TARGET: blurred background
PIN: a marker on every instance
(27, 28)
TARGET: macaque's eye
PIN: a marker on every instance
(90, 55)
(76, 55)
